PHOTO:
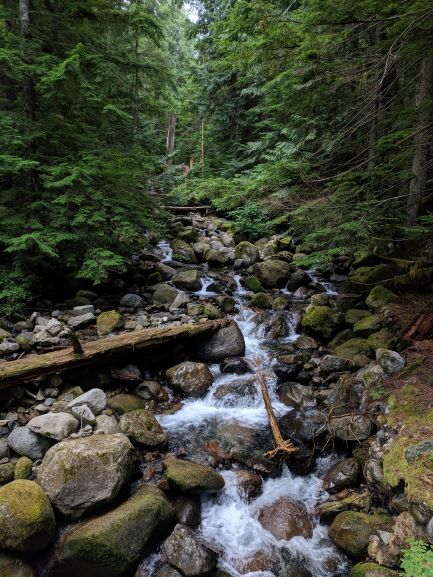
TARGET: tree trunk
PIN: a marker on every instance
(24, 7)
(171, 133)
(202, 147)
(421, 141)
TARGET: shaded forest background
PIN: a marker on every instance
(312, 116)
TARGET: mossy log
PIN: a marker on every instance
(34, 366)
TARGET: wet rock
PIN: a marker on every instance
(333, 364)
(111, 544)
(303, 461)
(189, 280)
(27, 518)
(358, 351)
(236, 390)
(239, 366)
(263, 561)
(143, 429)
(186, 553)
(297, 279)
(322, 321)
(253, 284)
(164, 571)
(354, 427)
(278, 327)
(95, 399)
(249, 484)
(261, 301)
(342, 475)
(131, 301)
(125, 403)
(28, 444)
(369, 569)
(226, 342)
(247, 252)
(108, 322)
(296, 395)
(23, 468)
(285, 519)
(14, 567)
(380, 296)
(190, 477)
(6, 473)
(81, 321)
(272, 273)
(303, 425)
(390, 361)
(80, 474)
(351, 531)
(226, 303)
(193, 379)
(55, 426)
(188, 510)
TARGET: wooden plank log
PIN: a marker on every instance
(33, 366)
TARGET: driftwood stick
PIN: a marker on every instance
(282, 446)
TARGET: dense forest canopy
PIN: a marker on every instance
(312, 116)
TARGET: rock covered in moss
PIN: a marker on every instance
(379, 296)
(193, 379)
(351, 531)
(247, 252)
(6, 473)
(367, 325)
(367, 276)
(143, 429)
(353, 316)
(189, 280)
(280, 303)
(261, 301)
(125, 403)
(322, 321)
(390, 361)
(358, 351)
(23, 468)
(14, 567)
(253, 284)
(369, 569)
(80, 474)
(183, 251)
(372, 376)
(109, 545)
(27, 521)
(272, 273)
(185, 552)
(353, 427)
(212, 312)
(108, 322)
(165, 294)
(190, 477)
(383, 339)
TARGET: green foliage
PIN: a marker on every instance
(251, 221)
(417, 560)
(14, 290)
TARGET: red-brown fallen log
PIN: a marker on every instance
(185, 209)
(33, 366)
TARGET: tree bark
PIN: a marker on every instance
(171, 134)
(24, 7)
(29, 95)
(421, 141)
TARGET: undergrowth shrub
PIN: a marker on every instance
(418, 560)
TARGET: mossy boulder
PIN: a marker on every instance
(253, 284)
(369, 569)
(383, 339)
(280, 303)
(321, 320)
(366, 276)
(6, 473)
(14, 567)
(212, 312)
(355, 315)
(108, 322)
(261, 301)
(190, 477)
(351, 531)
(27, 518)
(286, 243)
(367, 326)
(380, 296)
(358, 351)
(125, 403)
(189, 234)
(247, 252)
(23, 468)
(187, 280)
(183, 252)
(143, 429)
(109, 545)
(154, 278)
(272, 273)
(340, 338)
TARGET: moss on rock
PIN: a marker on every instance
(23, 468)
(367, 326)
(108, 322)
(253, 284)
(190, 477)
(358, 351)
(6, 473)
(14, 567)
(379, 296)
(369, 569)
(28, 522)
(261, 301)
(351, 531)
(125, 403)
(383, 339)
(367, 276)
(321, 320)
(355, 315)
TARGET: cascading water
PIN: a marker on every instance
(229, 521)
(164, 248)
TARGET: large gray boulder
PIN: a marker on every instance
(247, 252)
(143, 429)
(55, 426)
(165, 294)
(189, 280)
(226, 342)
(186, 553)
(111, 544)
(80, 474)
(193, 379)
(27, 521)
(28, 444)
(272, 273)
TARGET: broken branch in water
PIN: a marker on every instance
(282, 446)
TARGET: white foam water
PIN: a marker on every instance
(165, 250)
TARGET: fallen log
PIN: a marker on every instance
(33, 366)
(186, 209)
